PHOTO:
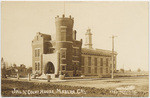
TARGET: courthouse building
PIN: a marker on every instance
(65, 55)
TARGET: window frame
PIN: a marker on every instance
(63, 50)
(89, 61)
(63, 65)
(89, 70)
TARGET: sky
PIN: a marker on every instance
(128, 20)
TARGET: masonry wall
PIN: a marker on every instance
(100, 69)
(37, 44)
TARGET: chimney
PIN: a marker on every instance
(74, 34)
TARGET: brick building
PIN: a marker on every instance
(66, 56)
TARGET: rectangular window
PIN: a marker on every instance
(82, 61)
(95, 69)
(63, 67)
(101, 62)
(63, 53)
(35, 53)
(101, 70)
(114, 58)
(77, 52)
(82, 69)
(95, 61)
(38, 52)
(106, 61)
(106, 70)
(63, 33)
(89, 69)
(89, 61)
(73, 51)
(36, 66)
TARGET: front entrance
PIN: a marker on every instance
(49, 68)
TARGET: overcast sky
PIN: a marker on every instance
(128, 20)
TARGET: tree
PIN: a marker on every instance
(139, 70)
(14, 65)
(122, 70)
(129, 70)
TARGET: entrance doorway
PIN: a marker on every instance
(49, 68)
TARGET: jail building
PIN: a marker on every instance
(65, 55)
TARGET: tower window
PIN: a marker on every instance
(82, 61)
(63, 33)
(63, 53)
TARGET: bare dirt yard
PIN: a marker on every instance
(105, 87)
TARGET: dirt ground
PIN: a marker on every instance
(125, 86)
(141, 83)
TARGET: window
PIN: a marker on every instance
(114, 58)
(106, 61)
(77, 52)
(63, 53)
(101, 70)
(37, 52)
(63, 67)
(89, 61)
(95, 70)
(101, 62)
(63, 33)
(73, 51)
(82, 69)
(95, 61)
(106, 70)
(35, 66)
(82, 61)
(38, 66)
(89, 69)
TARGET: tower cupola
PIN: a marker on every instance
(88, 39)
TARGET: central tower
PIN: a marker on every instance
(88, 40)
(64, 42)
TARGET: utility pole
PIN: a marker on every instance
(123, 68)
(64, 7)
(112, 72)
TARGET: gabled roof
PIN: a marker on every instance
(99, 52)
(45, 36)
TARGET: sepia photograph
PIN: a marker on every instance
(74, 49)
